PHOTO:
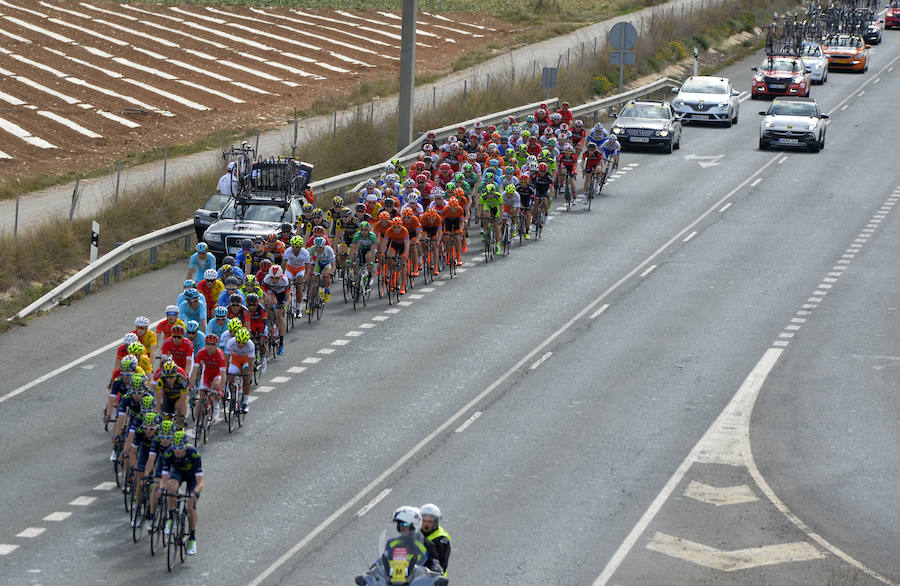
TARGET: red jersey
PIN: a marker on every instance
(309, 242)
(179, 352)
(258, 320)
(212, 363)
(568, 161)
(592, 160)
(566, 116)
(242, 312)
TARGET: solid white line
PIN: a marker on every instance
(373, 502)
(689, 236)
(541, 360)
(726, 206)
(755, 183)
(468, 422)
(603, 308)
(749, 388)
(648, 270)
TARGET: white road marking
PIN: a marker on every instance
(862, 93)
(541, 360)
(876, 81)
(720, 495)
(373, 502)
(326, 351)
(792, 328)
(266, 388)
(439, 283)
(689, 236)
(311, 360)
(354, 334)
(785, 335)
(756, 182)
(742, 400)
(829, 280)
(890, 68)
(730, 561)
(815, 299)
(367, 326)
(782, 160)
(31, 532)
(404, 303)
(648, 270)
(58, 516)
(602, 308)
(340, 342)
(415, 296)
(468, 422)
(380, 317)
(105, 486)
(725, 207)
(798, 320)
(780, 343)
(83, 501)
(296, 369)
(461, 270)
(7, 548)
(844, 107)
(820, 293)
(252, 398)
(426, 289)
(392, 310)
(280, 379)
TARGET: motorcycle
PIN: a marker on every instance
(401, 562)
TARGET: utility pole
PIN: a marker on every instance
(407, 74)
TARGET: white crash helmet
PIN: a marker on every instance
(432, 511)
(410, 516)
(130, 338)
(142, 322)
(412, 197)
(210, 275)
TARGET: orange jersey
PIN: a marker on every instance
(431, 219)
(412, 224)
(396, 234)
(453, 212)
(380, 226)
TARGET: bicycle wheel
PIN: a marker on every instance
(156, 533)
(126, 490)
(488, 245)
(239, 404)
(183, 533)
(172, 549)
(198, 428)
(229, 407)
(568, 197)
(346, 287)
(118, 465)
(394, 291)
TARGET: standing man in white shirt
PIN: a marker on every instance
(227, 181)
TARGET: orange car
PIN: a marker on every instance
(848, 52)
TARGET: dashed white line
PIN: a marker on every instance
(367, 326)
(105, 486)
(648, 270)
(780, 343)
(815, 299)
(83, 501)
(782, 159)
(820, 293)
(7, 548)
(785, 335)
(405, 303)
(468, 422)
(876, 81)
(792, 328)
(756, 182)
(252, 398)
(415, 296)
(58, 516)
(265, 388)
(326, 351)
(426, 289)
(829, 280)
(311, 360)
(862, 93)
(801, 312)
(541, 360)
(354, 334)
(380, 317)
(31, 532)
(296, 369)
(798, 320)
(378, 498)
(461, 270)
(603, 308)
(392, 310)
(844, 107)
(726, 206)
(340, 342)
(468, 264)
(279, 379)
(689, 236)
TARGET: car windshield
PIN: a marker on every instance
(811, 51)
(786, 65)
(655, 111)
(705, 86)
(792, 109)
(845, 41)
(257, 213)
(215, 202)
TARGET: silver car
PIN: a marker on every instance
(816, 60)
(707, 99)
(793, 122)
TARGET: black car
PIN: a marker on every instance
(648, 123)
(207, 214)
(873, 32)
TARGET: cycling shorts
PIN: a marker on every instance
(396, 246)
(168, 405)
(321, 266)
(492, 211)
(292, 272)
(279, 297)
(525, 201)
(143, 452)
(157, 469)
(209, 375)
(238, 363)
(431, 232)
(361, 254)
(189, 477)
(452, 225)
(413, 234)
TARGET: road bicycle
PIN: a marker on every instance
(315, 298)
(178, 535)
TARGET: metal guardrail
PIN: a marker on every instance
(120, 254)
(108, 261)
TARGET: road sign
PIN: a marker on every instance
(548, 79)
(623, 36)
(621, 58)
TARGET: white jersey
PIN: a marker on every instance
(365, 192)
(279, 285)
(296, 260)
(325, 255)
(415, 207)
(233, 348)
(225, 186)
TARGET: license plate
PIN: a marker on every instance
(788, 140)
(639, 139)
(777, 86)
(234, 250)
(701, 116)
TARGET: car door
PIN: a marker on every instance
(676, 125)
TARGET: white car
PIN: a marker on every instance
(816, 60)
(707, 99)
(793, 122)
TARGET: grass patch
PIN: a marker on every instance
(473, 57)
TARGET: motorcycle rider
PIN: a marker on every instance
(409, 522)
(434, 533)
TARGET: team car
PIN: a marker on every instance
(707, 99)
(813, 56)
(649, 123)
(892, 15)
(781, 76)
(793, 122)
(874, 28)
(848, 52)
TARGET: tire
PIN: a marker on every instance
(753, 96)
(669, 147)
(763, 145)
(171, 549)
(119, 469)
(735, 119)
(822, 142)
(814, 148)
(156, 534)
(677, 144)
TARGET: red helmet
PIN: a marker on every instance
(543, 106)
(491, 128)
(318, 230)
(178, 330)
(419, 165)
(461, 129)
(427, 175)
(408, 212)
(421, 178)
(445, 167)
(431, 135)
(564, 105)
(542, 167)
(396, 222)
(265, 263)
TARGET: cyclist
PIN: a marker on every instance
(525, 193)
(412, 225)
(119, 386)
(211, 362)
(323, 259)
(274, 247)
(491, 203)
(511, 206)
(122, 351)
(233, 326)
(219, 323)
(145, 335)
(141, 438)
(249, 286)
(611, 148)
(228, 270)
(431, 222)
(453, 216)
(370, 188)
(237, 309)
(276, 285)
(334, 212)
(161, 442)
(363, 248)
(200, 261)
(597, 134)
(164, 327)
(578, 135)
(193, 307)
(294, 264)
(210, 287)
(194, 335)
(243, 257)
(259, 329)
(232, 288)
(181, 463)
(241, 358)
(132, 404)
(178, 348)
(396, 239)
(345, 224)
(431, 528)
(566, 168)
(285, 232)
(188, 284)
(172, 386)
(591, 164)
(360, 213)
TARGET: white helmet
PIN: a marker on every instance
(210, 274)
(409, 182)
(388, 167)
(142, 322)
(432, 511)
(410, 516)
(411, 197)
(370, 182)
(130, 338)
(371, 197)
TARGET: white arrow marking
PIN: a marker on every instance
(704, 160)
(730, 561)
(720, 495)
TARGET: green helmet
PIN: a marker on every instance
(510, 188)
(151, 418)
(242, 336)
(147, 403)
(179, 440)
(234, 324)
(138, 380)
(128, 365)
(166, 428)
(490, 188)
(136, 348)
(451, 186)
(296, 241)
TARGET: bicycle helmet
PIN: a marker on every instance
(178, 330)
(318, 213)
(128, 365)
(276, 271)
(130, 338)
(371, 182)
(579, 123)
(409, 182)
(570, 148)
(189, 283)
(494, 163)
(490, 188)
(365, 226)
(458, 192)
(444, 167)
(556, 116)
(421, 178)
(382, 216)
(307, 208)
(296, 241)
(468, 168)
(510, 188)
(139, 381)
(564, 127)
(192, 326)
(372, 197)
(151, 420)
(564, 105)
(337, 201)
(169, 369)
(227, 268)
(147, 403)
(526, 134)
(408, 212)
(228, 260)
(319, 242)
(551, 141)
(252, 299)
(242, 336)
(265, 264)
(411, 198)
(432, 511)
(234, 324)
(192, 294)
(136, 348)
(166, 429)
(179, 439)
(396, 222)
(247, 244)
(592, 146)
(509, 170)
(453, 201)
(438, 192)
(451, 185)
(345, 211)
(249, 280)
(406, 517)
(318, 230)
(388, 167)
(202, 247)
(211, 339)
(542, 111)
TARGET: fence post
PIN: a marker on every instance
(118, 175)
(256, 148)
(487, 82)
(334, 124)
(465, 88)
(153, 256)
(187, 243)
(568, 57)
(534, 68)
(165, 166)
(16, 221)
(294, 144)
(371, 112)
(582, 53)
(434, 96)
(74, 199)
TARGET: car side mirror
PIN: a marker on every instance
(214, 215)
(807, 70)
(762, 113)
(823, 116)
(735, 93)
(613, 115)
(675, 90)
(754, 68)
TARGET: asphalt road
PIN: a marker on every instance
(98, 192)
(596, 360)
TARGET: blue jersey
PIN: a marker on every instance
(190, 463)
(608, 149)
(198, 315)
(199, 341)
(201, 265)
(238, 271)
(224, 297)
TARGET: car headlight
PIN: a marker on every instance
(767, 123)
(618, 129)
(758, 79)
(722, 105)
(813, 125)
(678, 103)
(662, 133)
